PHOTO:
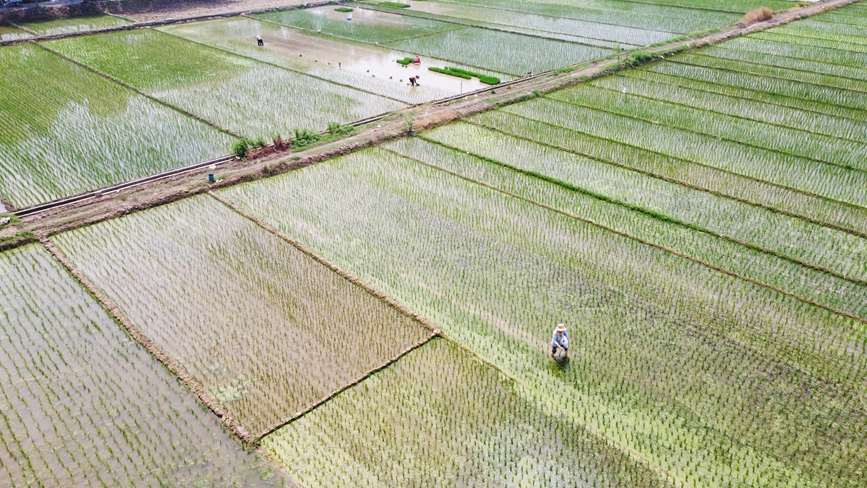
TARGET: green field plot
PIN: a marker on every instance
(817, 28)
(361, 66)
(245, 96)
(84, 405)
(662, 345)
(366, 25)
(631, 202)
(10, 33)
(74, 24)
(264, 328)
(585, 32)
(73, 131)
(504, 52)
(615, 13)
(835, 182)
(440, 417)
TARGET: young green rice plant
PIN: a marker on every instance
(649, 328)
(220, 87)
(829, 181)
(439, 417)
(9, 33)
(74, 24)
(395, 4)
(254, 320)
(678, 218)
(503, 52)
(74, 131)
(343, 9)
(84, 405)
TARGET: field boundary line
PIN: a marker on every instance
(493, 26)
(146, 342)
(409, 104)
(712, 168)
(705, 134)
(326, 399)
(325, 262)
(642, 241)
(652, 214)
(25, 29)
(140, 92)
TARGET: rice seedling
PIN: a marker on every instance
(221, 87)
(500, 51)
(439, 417)
(74, 131)
(675, 360)
(10, 33)
(263, 327)
(820, 61)
(83, 405)
(74, 24)
(677, 218)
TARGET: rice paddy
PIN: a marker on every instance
(383, 318)
(74, 24)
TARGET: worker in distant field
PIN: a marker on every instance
(259, 41)
(417, 60)
(561, 340)
(413, 80)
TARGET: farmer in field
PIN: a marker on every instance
(561, 340)
(417, 60)
(259, 41)
(413, 80)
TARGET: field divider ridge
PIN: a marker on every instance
(150, 346)
(142, 93)
(689, 185)
(644, 242)
(655, 215)
(322, 401)
(322, 260)
(25, 29)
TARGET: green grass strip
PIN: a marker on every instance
(467, 75)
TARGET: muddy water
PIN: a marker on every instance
(368, 67)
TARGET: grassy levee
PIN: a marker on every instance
(440, 417)
(73, 131)
(686, 369)
(679, 219)
(83, 405)
(219, 86)
(265, 329)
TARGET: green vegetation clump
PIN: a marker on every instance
(467, 75)
(395, 4)
(405, 61)
(338, 129)
(343, 9)
(305, 137)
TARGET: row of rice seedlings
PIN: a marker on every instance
(552, 28)
(440, 417)
(10, 33)
(84, 405)
(824, 180)
(667, 89)
(779, 35)
(854, 15)
(264, 328)
(500, 51)
(703, 7)
(850, 89)
(749, 190)
(649, 329)
(638, 16)
(806, 58)
(234, 35)
(74, 24)
(796, 142)
(366, 25)
(221, 87)
(658, 203)
(837, 101)
(817, 28)
(73, 131)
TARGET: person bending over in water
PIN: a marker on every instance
(561, 340)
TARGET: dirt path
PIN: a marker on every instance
(394, 126)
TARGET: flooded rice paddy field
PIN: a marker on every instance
(698, 223)
(82, 404)
(74, 24)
